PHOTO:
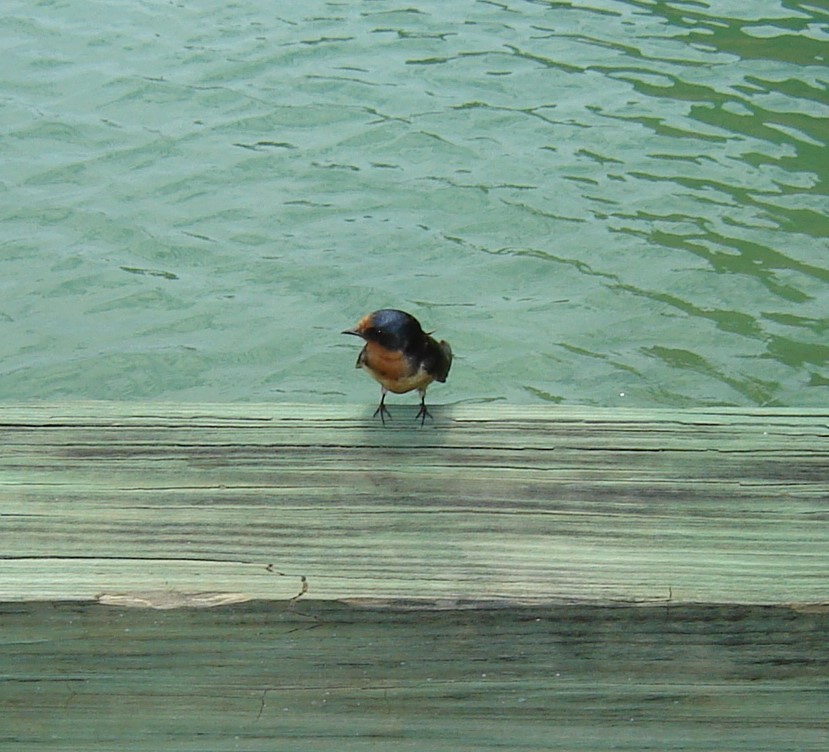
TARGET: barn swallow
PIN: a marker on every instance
(401, 356)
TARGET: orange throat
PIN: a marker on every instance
(393, 370)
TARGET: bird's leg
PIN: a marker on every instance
(423, 413)
(381, 409)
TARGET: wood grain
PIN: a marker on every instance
(505, 578)
(324, 676)
(486, 504)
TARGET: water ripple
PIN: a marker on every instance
(588, 200)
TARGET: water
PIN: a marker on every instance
(598, 202)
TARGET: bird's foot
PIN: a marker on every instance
(423, 413)
(382, 411)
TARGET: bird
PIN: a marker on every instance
(401, 356)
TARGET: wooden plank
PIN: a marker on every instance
(517, 578)
(514, 505)
(326, 677)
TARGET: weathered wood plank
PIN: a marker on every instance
(325, 677)
(488, 503)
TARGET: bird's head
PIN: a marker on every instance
(388, 327)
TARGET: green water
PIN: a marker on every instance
(608, 203)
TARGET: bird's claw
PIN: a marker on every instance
(382, 411)
(423, 413)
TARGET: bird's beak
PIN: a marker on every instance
(355, 332)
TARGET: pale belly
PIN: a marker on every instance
(420, 380)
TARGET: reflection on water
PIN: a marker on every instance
(626, 198)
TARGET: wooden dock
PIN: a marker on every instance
(514, 577)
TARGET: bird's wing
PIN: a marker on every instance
(437, 359)
(361, 358)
